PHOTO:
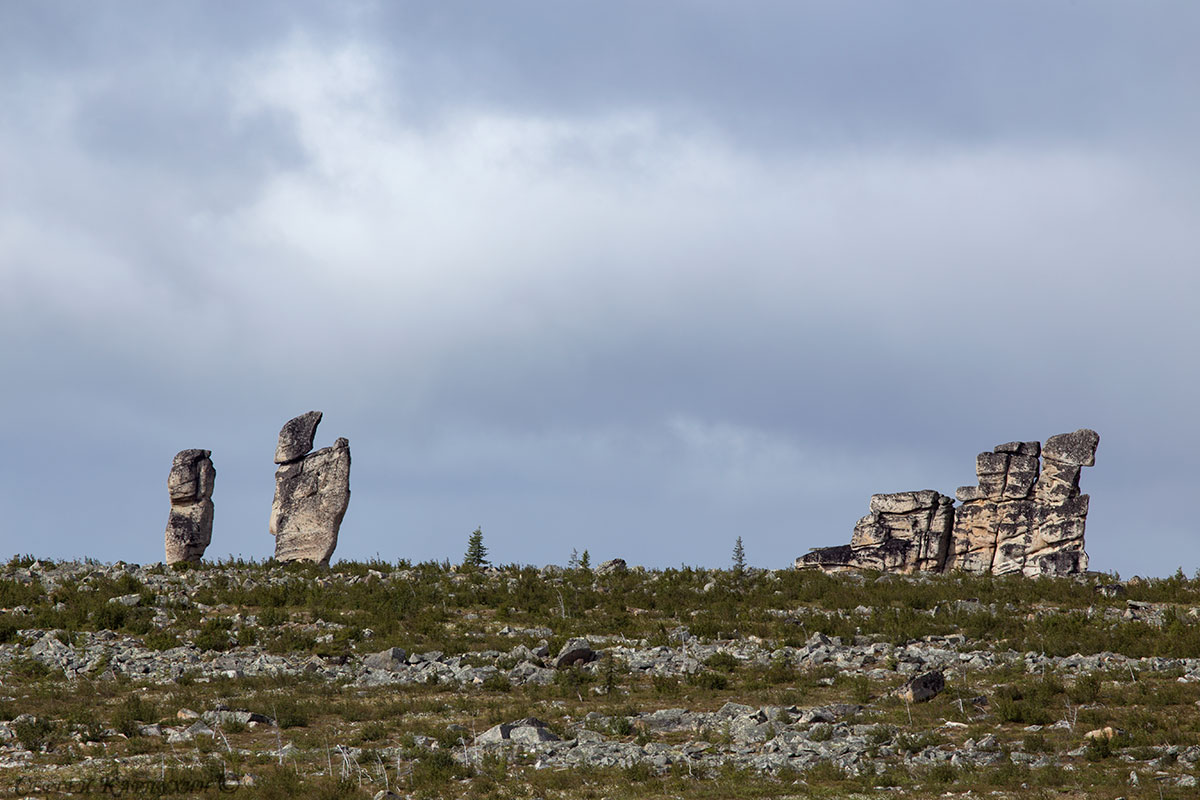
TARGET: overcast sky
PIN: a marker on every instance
(633, 277)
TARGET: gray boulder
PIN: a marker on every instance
(530, 730)
(190, 487)
(312, 493)
(393, 659)
(923, 687)
(575, 652)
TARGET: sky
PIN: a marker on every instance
(632, 278)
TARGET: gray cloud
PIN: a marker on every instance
(636, 280)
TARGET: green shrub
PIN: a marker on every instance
(497, 682)
(1086, 688)
(214, 635)
(1036, 743)
(722, 662)
(290, 713)
(942, 773)
(707, 679)
(1098, 748)
(272, 617)
(38, 733)
(290, 640)
(160, 640)
(435, 769)
(131, 713)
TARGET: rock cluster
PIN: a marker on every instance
(190, 486)
(312, 492)
(1025, 516)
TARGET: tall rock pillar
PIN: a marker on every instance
(190, 486)
(312, 492)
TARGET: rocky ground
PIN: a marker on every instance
(426, 680)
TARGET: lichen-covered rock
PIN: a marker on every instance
(1077, 449)
(189, 524)
(312, 493)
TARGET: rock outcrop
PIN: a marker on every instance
(312, 492)
(1021, 518)
(905, 532)
(190, 486)
(1025, 516)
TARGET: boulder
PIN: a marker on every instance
(923, 687)
(524, 731)
(189, 524)
(392, 659)
(312, 493)
(575, 652)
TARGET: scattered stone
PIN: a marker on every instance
(312, 493)
(924, 687)
(189, 525)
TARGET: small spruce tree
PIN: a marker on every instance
(476, 553)
(739, 558)
(585, 561)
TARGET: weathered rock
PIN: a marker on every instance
(1077, 449)
(923, 687)
(296, 437)
(190, 487)
(312, 493)
(905, 532)
(1023, 517)
(530, 730)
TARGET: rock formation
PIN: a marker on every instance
(905, 532)
(1024, 516)
(190, 486)
(312, 492)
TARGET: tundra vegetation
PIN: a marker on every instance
(280, 680)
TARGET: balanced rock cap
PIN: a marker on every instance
(1077, 449)
(296, 437)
